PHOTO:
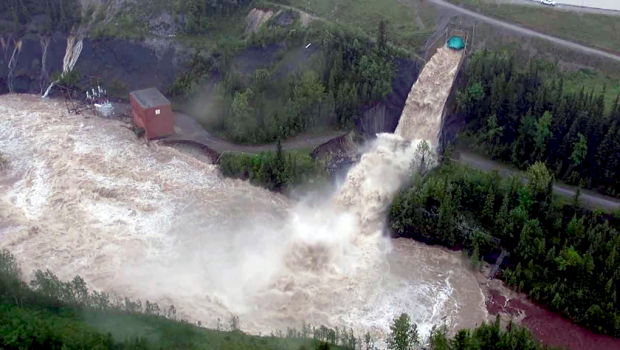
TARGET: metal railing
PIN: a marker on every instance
(436, 45)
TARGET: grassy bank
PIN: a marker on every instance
(409, 23)
(592, 81)
(593, 30)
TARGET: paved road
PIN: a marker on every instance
(559, 7)
(525, 31)
(588, 198)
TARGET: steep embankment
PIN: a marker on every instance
(384, 116)
(122, 65)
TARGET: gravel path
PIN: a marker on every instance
(525, 31)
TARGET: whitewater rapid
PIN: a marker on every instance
(85, 196)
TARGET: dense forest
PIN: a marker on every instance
(348, 72)
(518, 116)
(277, 171)
(54, 314)
(57, 15)
(563, 256)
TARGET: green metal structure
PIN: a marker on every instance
(456, 43)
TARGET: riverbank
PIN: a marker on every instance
(548, 327)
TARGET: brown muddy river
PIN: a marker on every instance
(152, 222)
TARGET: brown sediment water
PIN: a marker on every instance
(153, 222)
(550, 328)
(421, 117)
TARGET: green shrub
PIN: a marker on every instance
(275, 171)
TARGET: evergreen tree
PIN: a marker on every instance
(503, 218)
(403, 334)
(336, 73)
(461, 340)
(368, 345)
(605, 155)
(543, 133)
(488, 213)
(329, 109)
(382, 37)
(445, 226)
(279, 167)
(580, 150)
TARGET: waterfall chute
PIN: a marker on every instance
(44, 78)
(17, 48)
(74, 49)
(422, 117)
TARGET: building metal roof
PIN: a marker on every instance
(151, 97)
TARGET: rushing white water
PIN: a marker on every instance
(422, 115)
(72, 53)
(83, 196)
(44, 78)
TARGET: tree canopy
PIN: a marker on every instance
(521, 116)
(562, 255)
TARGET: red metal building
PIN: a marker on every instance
(152, 112)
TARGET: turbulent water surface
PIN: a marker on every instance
(84, 196)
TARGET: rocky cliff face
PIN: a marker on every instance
(384, 116)
(452, 123)
(121, 64)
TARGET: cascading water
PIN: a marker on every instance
(74, 49)
(17, 48)
(83, 197)
(5, 45)
(422, 115)
(44, 78)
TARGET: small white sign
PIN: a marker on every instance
(157, 112)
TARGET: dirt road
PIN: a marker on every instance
(588, 198)
(305, 16)
(525, 31)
